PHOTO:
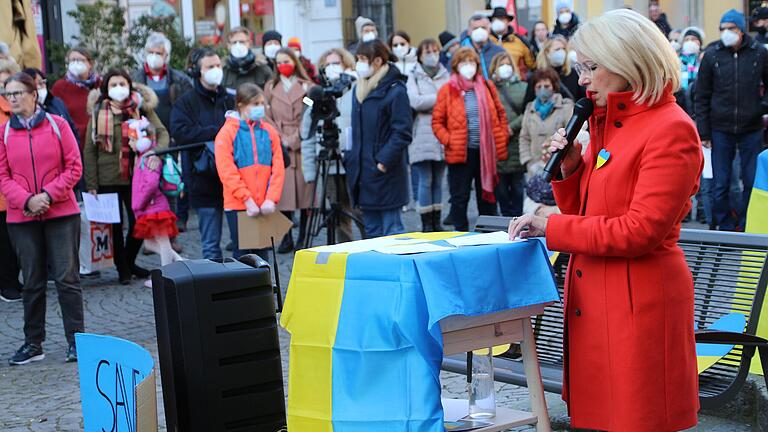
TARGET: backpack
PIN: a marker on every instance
(171, 183)
(47, 116)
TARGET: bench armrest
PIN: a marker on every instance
(729, 338)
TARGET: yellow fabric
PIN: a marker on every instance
(17, 29)
(757, 223)
(705, 362)
(312, 325)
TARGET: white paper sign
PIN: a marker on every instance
(104, 208)
(415, 248)
(498, 237)
(707, 173)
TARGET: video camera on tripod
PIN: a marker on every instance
(321, 100)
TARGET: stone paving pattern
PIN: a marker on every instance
(44, 396)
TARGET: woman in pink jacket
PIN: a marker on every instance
(39, 166)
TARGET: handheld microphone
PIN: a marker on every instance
(581, 112)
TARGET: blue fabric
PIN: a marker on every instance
(381, 132)
(209, 221)
(243, 146)
(724, 146)
(544, 109)
(382, 222)
(386, 372)
(735, 17)
(761, 177)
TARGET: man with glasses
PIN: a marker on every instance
(729, 109)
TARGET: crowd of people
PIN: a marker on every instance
(478, 107)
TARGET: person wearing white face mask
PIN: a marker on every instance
(425, 153)
(108, 157)
(74, 88)
(271, 42)
(400, 45)
(729, 110)
(477, 37)
(469, 120)
(50, 103)
(156, 73)
(691, 40)
(567, 22)
(197, 117)
(503, 34)
(511, 189)
(366, 31)
(555, 54)
(242, 65)
(382, 124)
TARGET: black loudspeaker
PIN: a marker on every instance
(218, 345)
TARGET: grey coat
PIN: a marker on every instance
(422, 94)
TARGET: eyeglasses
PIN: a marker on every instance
(585, 69)
(14, 95)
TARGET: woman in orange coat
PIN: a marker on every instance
(470, 121)
(630, 355)
(249, 159)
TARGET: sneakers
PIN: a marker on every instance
(71, 354)
(10, 295)
(26, 354)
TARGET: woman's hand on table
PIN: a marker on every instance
(527, 226)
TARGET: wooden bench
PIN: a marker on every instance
(730, 272)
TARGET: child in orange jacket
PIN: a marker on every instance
(249, 159)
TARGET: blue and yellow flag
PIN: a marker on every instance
(366, 347)
(757, 222)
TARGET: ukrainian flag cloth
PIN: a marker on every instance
(366, 346)
(757, 222)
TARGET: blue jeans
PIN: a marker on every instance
(382, 222)
(724, 146)
(705, 195)
(429, 176)
(236, 251)
(210, 219)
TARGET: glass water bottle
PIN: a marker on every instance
(482, 396)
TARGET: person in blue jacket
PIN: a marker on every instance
(197, 117)
(377, 175)
(476, 36)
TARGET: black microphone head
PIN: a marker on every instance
(584, 107)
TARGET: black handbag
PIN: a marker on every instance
(204, 163)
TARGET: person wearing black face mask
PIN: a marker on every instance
(760, 22)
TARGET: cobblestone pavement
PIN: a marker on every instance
(44, 396)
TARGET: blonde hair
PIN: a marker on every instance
(498, 58)
(347, 59)
(542, 60)
(629, 44)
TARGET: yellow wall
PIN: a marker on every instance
(421, 19)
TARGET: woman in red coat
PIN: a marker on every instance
(630, 357)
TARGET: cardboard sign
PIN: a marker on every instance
(258, 232)
(117, 384)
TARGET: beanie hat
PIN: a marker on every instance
(735, 17)
(446, 37)
(759, 13)
(693, 31)
(540, 190)
(294, 43)
(361, 22)
(270, 36)
(562, 5)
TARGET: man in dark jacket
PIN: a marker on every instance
(242, 65)
(566, 22)
(197, 117)
(477, 36)
(729, 111)
(659, 18)
(168, 84)
(760, 21)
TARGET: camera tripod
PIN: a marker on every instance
(328, 214)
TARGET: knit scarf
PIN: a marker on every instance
(105, 122)
(365, 86)
(87, 83)
(544, 108)
(488, 175)
(242, 66)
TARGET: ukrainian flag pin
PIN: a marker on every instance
(602, 158)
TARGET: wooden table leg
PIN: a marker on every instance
(533, 377)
